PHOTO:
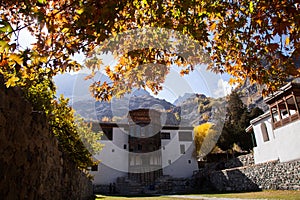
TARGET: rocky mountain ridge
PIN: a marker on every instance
(189, 109)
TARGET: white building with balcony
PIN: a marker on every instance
(277, 132)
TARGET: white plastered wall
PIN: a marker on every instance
(182, 165)
(288, 141)
(265, 150)
(113, 158)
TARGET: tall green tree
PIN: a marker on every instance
(237, 120)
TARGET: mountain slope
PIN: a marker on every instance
(76, 88)
(251, 95)
(189, 109)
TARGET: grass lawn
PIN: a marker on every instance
(100, 197)
(268, 194)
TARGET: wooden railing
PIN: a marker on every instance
(286, 120)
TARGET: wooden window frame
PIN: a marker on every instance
(291, 117)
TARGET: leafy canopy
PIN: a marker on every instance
(254, 39)
(258, 40)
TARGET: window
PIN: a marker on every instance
(276, 116)
(139, 147)
(124, 146)
(298, 101)
(253, 140)
(283, 110)
(143, 132)
(131, 130)
(112, 150)
(274, 112)
(131, 163)
(165, 135)
(182, 149)
(145, 160)
(291, 105)
(94, 168)
(137, 131)
(189, 161)
(151, 160)
(154, 160)
(138, 160)
(264, 132)
(150, 131)
(107, 134)
(185, 136)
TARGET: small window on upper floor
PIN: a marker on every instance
(274, 112)
(94, 168)
(143, 132)
(185, 136)
(139, 147)
(165, 135)
(291, 105)
(298, 101)
(131, 131)
(182, 149)
(253, 140)
(107, 134)
(264, 132)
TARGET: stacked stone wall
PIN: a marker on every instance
(31, 164)
(250, 177)
(243, 160)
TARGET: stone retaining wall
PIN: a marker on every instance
(31, 165)
(270, 175)
(244, 160)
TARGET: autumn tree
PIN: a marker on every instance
(76, 137)
(205, 139)
(254, 39)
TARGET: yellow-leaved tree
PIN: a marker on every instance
(205, 139)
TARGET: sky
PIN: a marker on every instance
(198, 81)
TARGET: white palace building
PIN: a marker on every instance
(277, 132)
(143, 150)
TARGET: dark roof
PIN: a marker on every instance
(125, 125)
(281, 92)
(144, 109)
(260, 117)
(257, 119)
